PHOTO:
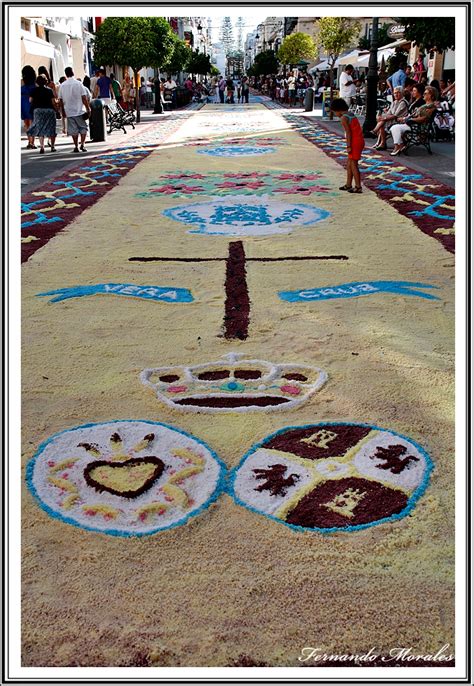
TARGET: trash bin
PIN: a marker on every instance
(98, 125)
(309, 100)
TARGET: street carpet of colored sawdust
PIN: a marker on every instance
(231, 582)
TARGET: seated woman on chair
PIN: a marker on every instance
(420, 116)
(398, 108)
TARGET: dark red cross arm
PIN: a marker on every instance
(237, 302)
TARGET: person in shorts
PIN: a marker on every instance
(355, 144)
(74, 104)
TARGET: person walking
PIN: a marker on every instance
(126, 88)
(28, 85)
(117, 89)
(43, 105)
(94, 80)
(222, 87)
(74, 101)
(245, 89)
(230, 88)
(103, 88)
(291, 81)
(355, 143)
(347, 87)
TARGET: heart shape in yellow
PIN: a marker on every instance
(127, 479)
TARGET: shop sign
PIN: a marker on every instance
(395, 31)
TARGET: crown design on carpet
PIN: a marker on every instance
(234, 384)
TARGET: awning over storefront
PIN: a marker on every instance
(322, 66)
(31, 45)
(350, 58)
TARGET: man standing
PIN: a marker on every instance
(222, 87)
(291, 90)
(397, 79)
(73, 101)
(347, 87)
(103, 88)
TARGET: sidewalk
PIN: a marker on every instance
(35, 168)
(440, 165)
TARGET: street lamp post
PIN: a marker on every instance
(372, 79)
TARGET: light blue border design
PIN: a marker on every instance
(220, 484)
(235, 151)
(321, 213)
(397, 287)
(416, 495)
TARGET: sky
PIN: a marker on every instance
(251, 23)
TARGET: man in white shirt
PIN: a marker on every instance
(347, 87)
(291, 90)
(74, 101)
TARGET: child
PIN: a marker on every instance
(355, 143)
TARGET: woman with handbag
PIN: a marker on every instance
(43, 104)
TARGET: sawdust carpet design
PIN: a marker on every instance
(200, 592)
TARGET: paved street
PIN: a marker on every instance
(231, 365)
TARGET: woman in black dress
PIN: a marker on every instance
(43, 104)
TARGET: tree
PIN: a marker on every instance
(435, 33)
(296, 47)
(136, 42)
(335, 34)
(382, 38)
(199, 63)
(265, 63)
(227, 35)
(240, 34)
(179, 58)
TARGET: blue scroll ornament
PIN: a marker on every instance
(157, 293)
(358, 288)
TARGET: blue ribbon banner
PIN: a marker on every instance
(358, 288)
(157, 293)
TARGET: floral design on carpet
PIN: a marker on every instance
(124, 478)
(429, 203)
(48, 209)
(234, 384)
(188, 183)
(246, 216)
(332, 476)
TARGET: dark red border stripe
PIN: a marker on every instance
(140, 147)
(426, 223)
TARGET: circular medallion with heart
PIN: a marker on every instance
(125, 478)
(332, 476)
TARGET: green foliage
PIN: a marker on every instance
(214, 70)
(399, 57)
(382, 38)
(435, 33)
(179, 58)
(199, 63)
(265, 63)
(133, 41)
(335, 34)
(296, 47)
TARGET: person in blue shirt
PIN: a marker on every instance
(397, 79)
